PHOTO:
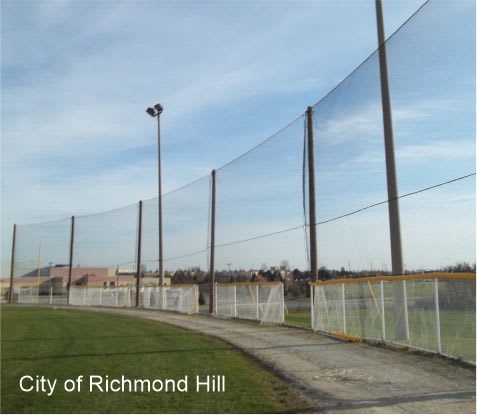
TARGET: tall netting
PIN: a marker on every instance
(261, 211)
(41, 249)
(107, 240)
(263, 302)
(185, 219)
(431, 68)
(104, 257)
(431, 64)
(350, 174)
(259, 206)
(439, 311)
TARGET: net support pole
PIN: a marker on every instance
(402, 329)
(138, 256)
(311, 194)
(12, 264)
(343, 306)
(438, 317)
(70, 265)
(383, 321)
(212, 245)
(51, 295)
(159, 201)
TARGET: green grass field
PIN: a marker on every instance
(298, 318)
(63, 344)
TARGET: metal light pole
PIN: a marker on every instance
(156, 112)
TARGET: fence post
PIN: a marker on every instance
(311, 195)
(212, 245)
(343, 305)
(12, 264)
(312, 300)
(116, 292)
(38, 275)
(180, 300)
(383, 321)
(283, 302)
(138, 264)
(235, 300)
(256, 300)
(84, 295)
(70, 268)
(51, 295)
(438, 317)
(100, 294)
(215, 297)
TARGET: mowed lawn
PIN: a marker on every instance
(298, 318)
(63, 344)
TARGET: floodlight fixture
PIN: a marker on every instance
(159, 108)
(151, 112)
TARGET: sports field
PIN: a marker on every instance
(63, 344)
(298, 318)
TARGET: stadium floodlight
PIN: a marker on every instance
(159, 108)
(151, 112)
(155, 112)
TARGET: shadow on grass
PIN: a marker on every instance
(167, 351)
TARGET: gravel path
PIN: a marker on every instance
(338, 376)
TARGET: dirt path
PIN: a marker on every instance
(341, 376)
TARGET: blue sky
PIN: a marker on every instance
(78, 75)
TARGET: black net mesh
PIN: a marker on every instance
(259, 207)
(107, 239)
(431, 67)
(185, 221)
(41, 252)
